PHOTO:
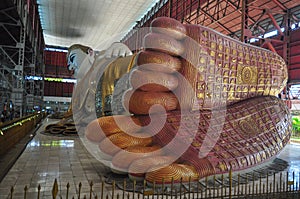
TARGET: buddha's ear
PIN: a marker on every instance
(90, 52)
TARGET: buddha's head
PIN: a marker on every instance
(77, 53)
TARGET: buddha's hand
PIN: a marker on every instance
(117, 49)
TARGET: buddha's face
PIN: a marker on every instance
(75, 60)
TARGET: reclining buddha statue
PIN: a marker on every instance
(193, 103)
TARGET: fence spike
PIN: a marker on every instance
(39, 191)
(91, 189)
(11, 192)
(25, 191)
(54, 189)
(68, 187)
(79, 190)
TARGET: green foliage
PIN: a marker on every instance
(296, 126)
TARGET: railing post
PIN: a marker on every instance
(189, 197)
(206, 184)
(253, 183)
(124, 188)
(274, 181)
(280, 182)
(260, 185)
(163, 187)
(102, 190)
(222, 186)
(230, 183)
(267, 184)
(134, 188)
(238, 185)
(214, 186)
(287, 181)
(113, 189)
(180, 189)
(293, 181)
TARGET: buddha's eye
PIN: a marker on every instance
(72, 57)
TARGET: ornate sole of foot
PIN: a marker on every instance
(221, 70)
(244, 135)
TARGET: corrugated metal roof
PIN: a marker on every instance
(89, 22)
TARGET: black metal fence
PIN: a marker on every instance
(248, 185)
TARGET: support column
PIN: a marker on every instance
(286, 45)
(18, 91)
(244, 28)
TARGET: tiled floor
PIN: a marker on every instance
(47, 158)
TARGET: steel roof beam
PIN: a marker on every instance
(221, 25)
(250, 18)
